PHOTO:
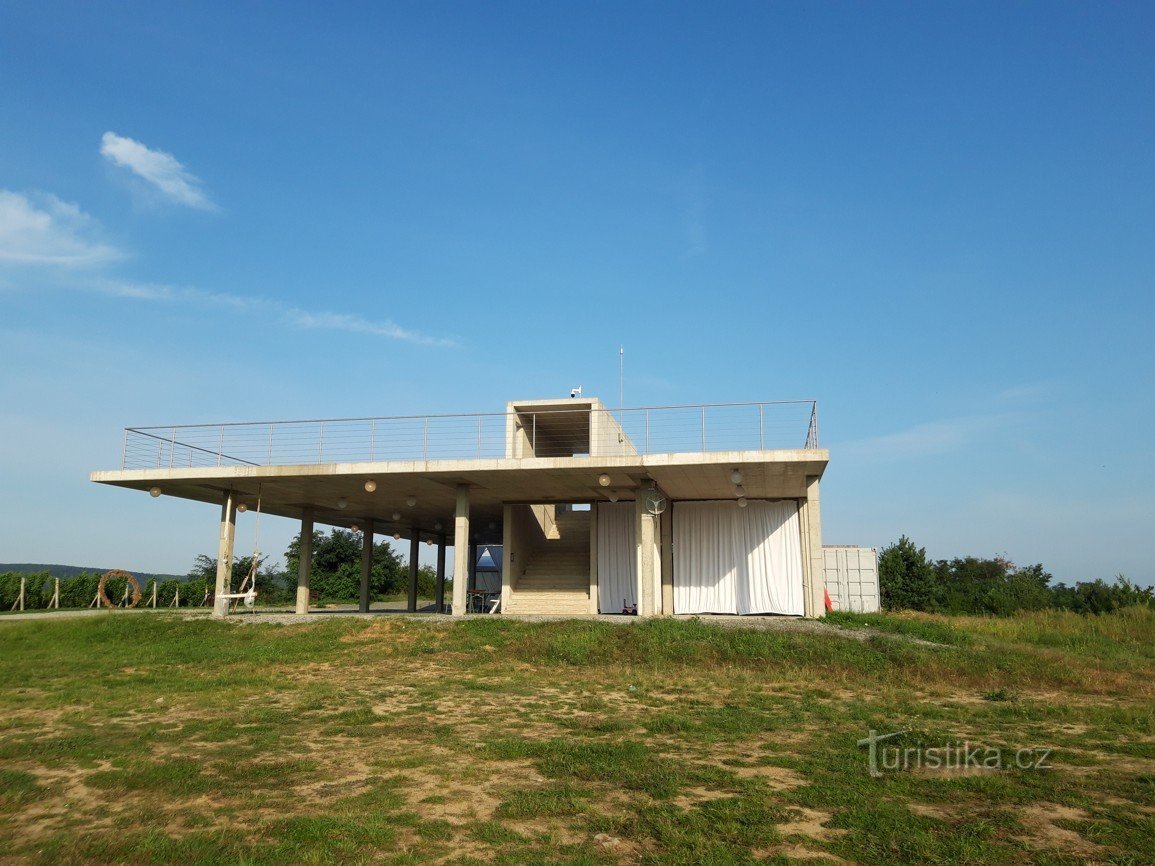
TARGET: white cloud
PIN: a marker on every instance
(49, 231)
(294, 316)
(936, 437)
(161, 169)
(359, 325)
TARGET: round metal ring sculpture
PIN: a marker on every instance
(136, 594)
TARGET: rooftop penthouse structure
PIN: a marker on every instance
(700, 509)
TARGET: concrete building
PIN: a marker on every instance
(662, 510)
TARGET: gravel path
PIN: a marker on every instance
(286, 616)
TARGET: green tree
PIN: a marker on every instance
(335, 572)
(906, 579)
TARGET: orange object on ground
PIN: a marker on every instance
(826, 592)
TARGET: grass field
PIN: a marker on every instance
(152, 738)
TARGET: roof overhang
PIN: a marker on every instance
(288, 491)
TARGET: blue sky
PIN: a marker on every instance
(936, 219)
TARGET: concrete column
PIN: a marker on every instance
(508, 556)
(649, 563)
(228, 535)
(667, 557)
(461, 550)
(366, 564)
(594, 557)
(414, 550)
(441, 574)
(305, 566)
(817, 596)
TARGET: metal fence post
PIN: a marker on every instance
(321, 444)
(373, 440)
(221, 445)
(703, 428)
(478, 437)
(761, 429)
(425, 441)
(269, 459)
(647, 431)
(172, 448)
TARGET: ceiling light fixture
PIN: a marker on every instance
(342, 503)
(242, 508)
(354, 528)
(396, 536)
(742, 502)
(437, 525)
(411, 501)
(740, 491)
(370, 486)
(154, 492)
(604, 480)
(396, 516)
(736, 476)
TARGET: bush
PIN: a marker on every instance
(906, 579)
(1101, 597)
(79, 590)
(33, 589)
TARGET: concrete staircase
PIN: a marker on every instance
(557, 577)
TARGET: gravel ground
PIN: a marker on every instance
(286, 616)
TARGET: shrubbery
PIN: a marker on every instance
(969, 585)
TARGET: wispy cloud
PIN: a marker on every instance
(163, 170)
(61, 244)
(933, 438)
(320, 320)
(43, 230)
(358, 325)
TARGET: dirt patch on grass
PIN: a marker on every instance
(932, 810)
(775, 778)
(1038, 820)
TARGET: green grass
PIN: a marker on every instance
(146, 738)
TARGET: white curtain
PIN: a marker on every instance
(737, 560)
(617, 556)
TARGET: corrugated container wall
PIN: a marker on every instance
(852, 578)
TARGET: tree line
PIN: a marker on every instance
(335, 576)
(909, 580)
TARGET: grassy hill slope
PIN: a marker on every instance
(147, 737)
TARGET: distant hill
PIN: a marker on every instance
(70, 570)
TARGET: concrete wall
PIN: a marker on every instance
(522, 538)
(813, 561)
(607, 438)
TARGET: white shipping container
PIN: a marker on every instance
(852, 577)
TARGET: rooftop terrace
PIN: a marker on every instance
(552, 428)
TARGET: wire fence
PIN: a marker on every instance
(538, 432)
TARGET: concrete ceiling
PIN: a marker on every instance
(287, 490)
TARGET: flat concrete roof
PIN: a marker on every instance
(287, 490)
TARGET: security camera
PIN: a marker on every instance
(576, 392)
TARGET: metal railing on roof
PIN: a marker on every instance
(545, 431)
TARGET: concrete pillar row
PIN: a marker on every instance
(305, 566)
(461, 550)
(414, 550)
(228, 534)
(366, 564)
